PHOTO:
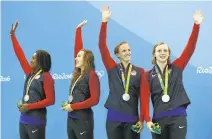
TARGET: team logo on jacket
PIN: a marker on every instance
(37, 77)
(133, 72)
(153, 75)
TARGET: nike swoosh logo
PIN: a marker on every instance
(181, 126)
(153, 75)
(82, 133)
(33, 131)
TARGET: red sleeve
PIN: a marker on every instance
(94, 86)
(106, 58)
(141, 84)
(78, 41)
(145, 90)
(48, 85)
(20, 54)
(183, 60)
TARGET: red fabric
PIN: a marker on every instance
(48, 85)
(106, 58)
(94, 86)
(180, 62)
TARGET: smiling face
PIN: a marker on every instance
(161, 53)
(124, 53)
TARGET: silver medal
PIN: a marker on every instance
(165, 98)
(26, 98)
(126, 97)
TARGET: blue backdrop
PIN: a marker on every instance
(51, 26)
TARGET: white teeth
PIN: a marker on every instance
(162, 57)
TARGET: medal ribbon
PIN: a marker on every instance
(30, 81)
(165, 88)
(72, 88)
(126, 83)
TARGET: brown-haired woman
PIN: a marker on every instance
(84, 92)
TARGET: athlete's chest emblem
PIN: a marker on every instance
(133, 72)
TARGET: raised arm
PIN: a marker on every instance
(183, 60)
(78, 38)
(18, 51)
(105, 54)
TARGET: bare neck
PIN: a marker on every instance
(35, 70)
(162, 65)
(82, 70)
(125, 64)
